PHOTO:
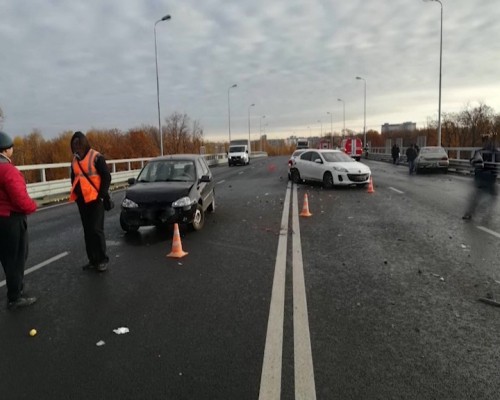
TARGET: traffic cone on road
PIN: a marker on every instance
(370, 186)
(177, 251)
(305, 209)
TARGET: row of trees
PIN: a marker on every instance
(181, 135)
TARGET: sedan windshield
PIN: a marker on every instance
(168, 171)
(336, 156)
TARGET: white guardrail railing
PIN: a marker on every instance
(48, 191)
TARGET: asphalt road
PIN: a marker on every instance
(373, 297)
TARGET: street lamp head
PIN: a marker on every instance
(358, 77)
(235, 85)
(252, 105)
(165, 17)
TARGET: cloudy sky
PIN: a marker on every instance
(68, 65)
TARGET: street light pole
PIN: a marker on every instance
(321, 127)
(331, 124)
(440, 70)
(343, 103)
(249, 141)
(364, 123)
(260, 130)
(229, 110)
(166, 17)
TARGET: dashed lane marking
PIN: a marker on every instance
(396, 190)
(222, 181)
(42, 264)
(496, 234)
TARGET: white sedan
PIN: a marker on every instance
(332, 167)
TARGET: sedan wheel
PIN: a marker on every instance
(328, 180)
(198, 219)
(296, 176)
(126, 227)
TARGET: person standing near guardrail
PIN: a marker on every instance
(90, 179)
(486, 162)
(15, 205)
(395, 153)
(411, 155)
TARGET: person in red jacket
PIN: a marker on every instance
(15, 205)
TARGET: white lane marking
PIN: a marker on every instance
(42, 264)
(396, 190)
(304, 373)
(270, 381)
(222, 181)
(241, 172)
(489, 231)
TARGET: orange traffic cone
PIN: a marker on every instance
(370, 186)
(177, 251)
(305, 210)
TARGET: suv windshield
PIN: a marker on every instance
(168, 171)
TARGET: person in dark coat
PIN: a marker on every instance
(15, 205)
(395, 152)
(90, 180)
(411, 155)
(486, 162)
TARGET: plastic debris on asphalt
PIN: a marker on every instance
(121, 331)
(100, 343)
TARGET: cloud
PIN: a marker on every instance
(81, 65)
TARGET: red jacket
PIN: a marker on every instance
(13, 193)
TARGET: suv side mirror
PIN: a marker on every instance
(131, 181)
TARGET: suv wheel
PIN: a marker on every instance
(198, 218)
(126, 227)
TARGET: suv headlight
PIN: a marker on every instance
(127, 203)
(183, 202)
(340, 169)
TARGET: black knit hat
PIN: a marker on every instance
(5, 141)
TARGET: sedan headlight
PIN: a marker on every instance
(127, 203)
(183, 202)
(340, 169)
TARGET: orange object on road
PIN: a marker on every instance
(305, 209)
(370, 186)
(177, 251)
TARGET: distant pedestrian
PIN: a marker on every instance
(90, 180)
(15, 205)
(486, 163)
(411, 155)
(396, 153)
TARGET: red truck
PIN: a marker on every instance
(352, 147)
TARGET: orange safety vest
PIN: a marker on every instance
(89, 193)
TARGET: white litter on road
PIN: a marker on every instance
(100, 343)
(121, 331)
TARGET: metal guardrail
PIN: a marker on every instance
(48, 191)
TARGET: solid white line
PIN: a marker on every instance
(270, 381)
(396, 190)
(305, 388)
(222, 181)
(489, 231)
(42, 264)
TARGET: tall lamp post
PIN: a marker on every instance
(364, 123)
(249, 141)
(321, 126)
(343, 102)
(260, 130)
(440, 70)
(331, 124)
(166, 17)
(229, 110)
